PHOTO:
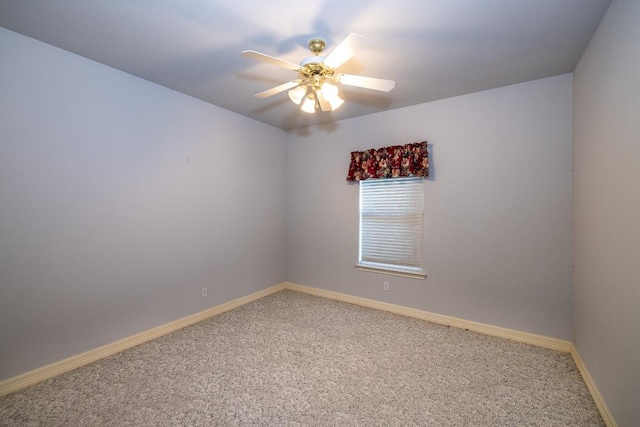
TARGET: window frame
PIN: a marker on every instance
(412, 271)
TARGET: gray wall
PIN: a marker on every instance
(607, 209)
(498, 239)
(119, 200)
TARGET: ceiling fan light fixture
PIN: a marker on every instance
(297, 94)
(330, 94)
(336, 103)
(315, 89)
(309, 103)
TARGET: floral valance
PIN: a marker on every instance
(390, 162)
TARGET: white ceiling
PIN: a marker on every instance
(433, 49)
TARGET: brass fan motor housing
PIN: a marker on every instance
(316, 69)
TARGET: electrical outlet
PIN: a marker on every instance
(204, 292)
(385, 286)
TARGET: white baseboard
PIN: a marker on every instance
(524, 337)
(49, 371)
(605, 413)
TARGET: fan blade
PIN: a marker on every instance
(278, 89)
(270, 59)
(345, 50)
(324, 104)
(366, 82)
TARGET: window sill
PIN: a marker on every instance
(391, 271)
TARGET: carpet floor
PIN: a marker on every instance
(292, 359)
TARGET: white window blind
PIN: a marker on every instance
(391, 218)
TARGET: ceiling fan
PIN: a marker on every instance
(316, 86)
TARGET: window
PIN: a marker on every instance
(391, 217)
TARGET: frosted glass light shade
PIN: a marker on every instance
(330, 94)
(309, 104)
(297, 94)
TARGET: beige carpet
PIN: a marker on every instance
(292, 359)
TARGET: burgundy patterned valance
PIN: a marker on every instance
(390, 162)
